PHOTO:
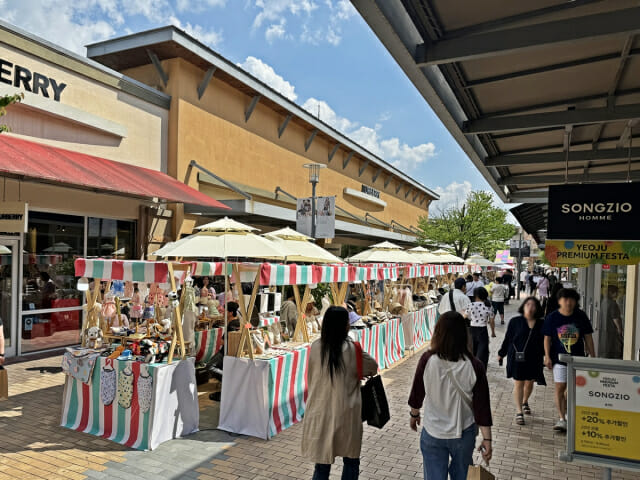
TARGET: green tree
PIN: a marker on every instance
(5, 101)
(476, 226)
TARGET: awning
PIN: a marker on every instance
(44, 163)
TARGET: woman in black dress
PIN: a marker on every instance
(523, 346)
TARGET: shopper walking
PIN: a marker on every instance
(523, 347)
(523, 280)
(566, 331)
(543, 289)
(332, 425)
(456, 299)
(480, 314)
(452, 387)
(552, 302)
(473, 284)
(499, 293)
(507, 279)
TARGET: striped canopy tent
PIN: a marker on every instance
(299, 248)
(223, 238)
(445, 257)
(423, 255)
(385, 252)
(125, 270)
(293, 274)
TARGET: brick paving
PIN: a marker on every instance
(33, 446)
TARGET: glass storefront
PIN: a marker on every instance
(51, 303)
(611, 315)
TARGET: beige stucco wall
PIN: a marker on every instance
(213, 131)
(145, 125)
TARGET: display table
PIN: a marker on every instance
(262, 397)
(383, 341)
(207, 343)
(418, 326)
(171, 411)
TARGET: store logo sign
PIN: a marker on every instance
(13, 218)
(608, 211)
(370, 191)
(34, 82)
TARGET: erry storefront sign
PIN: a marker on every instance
(607, 414)
(34, 82)
(607, 211)
(13, 218)
(582, 253)
(370, 191)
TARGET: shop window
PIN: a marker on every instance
(611, 317)
(108, 238)
(51, 245)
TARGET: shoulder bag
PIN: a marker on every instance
(375, 408)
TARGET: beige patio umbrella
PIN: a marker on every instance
(478, 260)
(223, 238)
(424, 256)
(385, 252)
(299, 248)
(446, 257)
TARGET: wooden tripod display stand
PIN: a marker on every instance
(301, 330)
(177, 334)
(246, 310)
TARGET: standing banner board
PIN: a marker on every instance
(303, 216)
(603, 412)
(326, 217)
(594, 211)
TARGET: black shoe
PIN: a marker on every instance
(215, 396)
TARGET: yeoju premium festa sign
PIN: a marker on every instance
(581, 253)
(607, 414)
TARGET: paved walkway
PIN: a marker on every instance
(33, 446)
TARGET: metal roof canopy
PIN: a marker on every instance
(168, 42)
(519, 83)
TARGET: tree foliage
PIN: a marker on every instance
(5, 101)
(478, 226)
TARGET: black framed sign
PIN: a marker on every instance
(605, 211)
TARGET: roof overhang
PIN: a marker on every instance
(262, 213)
(535, 93)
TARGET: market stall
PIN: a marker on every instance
(418, 326)
(123, 382)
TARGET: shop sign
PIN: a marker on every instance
(34, 82)
(606, 211)
(523, 245)
(370, 191)
(607, 414)
(13, 218)
(581, 253)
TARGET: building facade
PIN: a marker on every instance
(237, 140)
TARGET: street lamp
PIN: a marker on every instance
(314, 178)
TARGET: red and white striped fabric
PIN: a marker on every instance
(126, 270)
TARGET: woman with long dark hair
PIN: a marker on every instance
(523, 346)
(552, 302)
(332, 425)
(451, 385)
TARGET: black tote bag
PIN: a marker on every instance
(375, 407)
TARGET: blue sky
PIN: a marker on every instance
(319, 53)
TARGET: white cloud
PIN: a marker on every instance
(208, 37)
(452, 195)
(267, 74)
(321, 109)
(313, 23)
(72, 24)
(276, 31)
(198, 5)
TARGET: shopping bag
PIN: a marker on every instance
(478, 472)
(4, 384)
(375, 408)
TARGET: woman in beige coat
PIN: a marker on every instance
(332, 425)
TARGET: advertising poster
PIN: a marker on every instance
(303, 216)
(582, 253)
(607, 415)
(326, 217)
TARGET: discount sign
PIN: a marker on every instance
(607, 414)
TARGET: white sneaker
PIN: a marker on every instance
(561, 426)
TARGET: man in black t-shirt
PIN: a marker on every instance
(566, 331)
